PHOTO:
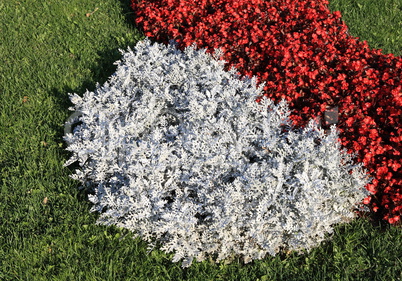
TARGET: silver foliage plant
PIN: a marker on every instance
(177, 150)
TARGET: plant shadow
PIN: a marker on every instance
(128, 12)
(102, 69)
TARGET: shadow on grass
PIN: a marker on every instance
(99, 72)
(128, 12)
(102, 69)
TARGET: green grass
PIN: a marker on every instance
(50, 48)
(379, 22)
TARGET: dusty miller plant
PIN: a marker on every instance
(177, 150)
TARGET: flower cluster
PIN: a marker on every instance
(304, 54)
(176, 149)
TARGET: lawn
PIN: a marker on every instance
(51, 48)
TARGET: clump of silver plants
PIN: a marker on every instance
(177, 150)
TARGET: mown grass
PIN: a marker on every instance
(379, 22)
(50, 48)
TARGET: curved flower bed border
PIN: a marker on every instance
(304, 54)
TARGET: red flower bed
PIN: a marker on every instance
(304, 54)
